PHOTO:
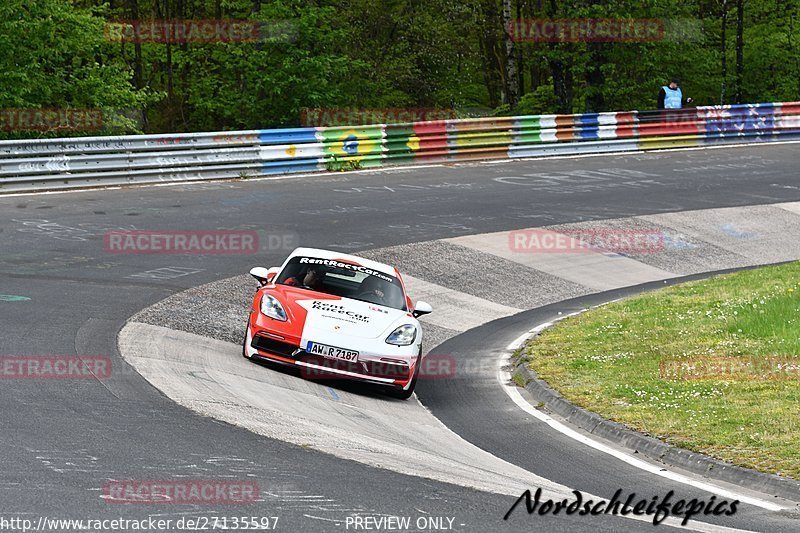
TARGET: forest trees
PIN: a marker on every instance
(460, 55)
(53, 55)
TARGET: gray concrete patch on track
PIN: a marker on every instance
(793, 207)
(212, 378)
(216, 310)
(673, 251)
(473, 271)
(435, 335)
(763, 234)
(452, 303)
(583, 272)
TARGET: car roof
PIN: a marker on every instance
(330, 254)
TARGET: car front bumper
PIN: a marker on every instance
(266, 345)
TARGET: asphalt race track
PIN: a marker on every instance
(64, 439)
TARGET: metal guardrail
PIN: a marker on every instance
(44, 164)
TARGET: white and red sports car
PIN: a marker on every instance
(337, 315)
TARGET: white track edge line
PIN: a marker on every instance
(503, 376)
(671, 521)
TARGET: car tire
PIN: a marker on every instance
(244, 344)
(405, 394)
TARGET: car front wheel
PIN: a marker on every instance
(405, 394)
(244, 342)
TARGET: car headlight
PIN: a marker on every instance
(403, 336)
(271, 307)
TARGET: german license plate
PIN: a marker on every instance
(332, 352)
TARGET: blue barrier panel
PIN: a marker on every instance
(288, 136)
(589, 126)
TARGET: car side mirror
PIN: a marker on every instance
(264, 275)
(422, 308)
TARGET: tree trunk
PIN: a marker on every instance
(724, 52)
(795, 53)
(520, 62)
(492, 69)
(562, 79)
(535, 68)
(138, 67)
(512, 82)
(595, 79)
(739, 49)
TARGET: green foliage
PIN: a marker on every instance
(376, 54)
(537, 102)
(53, 55)
(711, 365)
(336, 164)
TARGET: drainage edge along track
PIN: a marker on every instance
(621, 435)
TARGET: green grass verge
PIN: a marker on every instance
(712, 366)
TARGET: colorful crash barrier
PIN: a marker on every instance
(86, 161)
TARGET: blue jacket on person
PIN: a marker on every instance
(670, 98)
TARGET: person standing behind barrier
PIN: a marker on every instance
(671, 97)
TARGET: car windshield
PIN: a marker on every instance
(347, 280)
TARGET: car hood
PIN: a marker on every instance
(353, 318)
